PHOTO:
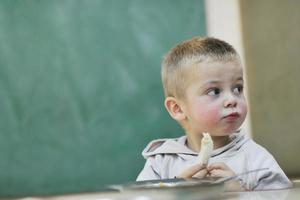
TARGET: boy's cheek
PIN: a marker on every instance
(210, 116)
(244, 109)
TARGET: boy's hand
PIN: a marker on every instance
(219, 170)
(195, 171)
(222, 170)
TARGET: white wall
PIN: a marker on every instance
(223, 21)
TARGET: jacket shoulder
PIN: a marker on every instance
(167, 146)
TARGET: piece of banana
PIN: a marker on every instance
(206, 148)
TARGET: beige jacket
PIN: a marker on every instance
(166, 158)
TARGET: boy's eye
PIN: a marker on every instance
(238, 89)
(213, 91)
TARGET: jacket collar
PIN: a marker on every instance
(178, 146)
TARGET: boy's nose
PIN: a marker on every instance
(230, 101)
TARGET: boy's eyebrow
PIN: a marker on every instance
(216, 81)
(211, 82)
(240, 79)
(208, 83)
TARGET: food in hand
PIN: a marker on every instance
(207, 146)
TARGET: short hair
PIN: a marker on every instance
(187, 53)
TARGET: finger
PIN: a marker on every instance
(221, 173)
(189, 172)
(216, 173)
(200, 174)
(219, 165)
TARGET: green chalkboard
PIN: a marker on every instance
(80, 89)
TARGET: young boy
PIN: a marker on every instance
(203, 84)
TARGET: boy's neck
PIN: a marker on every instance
(194, 142)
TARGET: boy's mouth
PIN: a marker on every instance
(232, 116)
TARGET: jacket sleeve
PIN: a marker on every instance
(273, 178)
(150, 170)
(270, 179)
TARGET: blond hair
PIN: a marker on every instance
(187, 53)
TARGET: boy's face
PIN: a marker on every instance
(215, 101)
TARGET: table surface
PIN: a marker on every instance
(290, 194)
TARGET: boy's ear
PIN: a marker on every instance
(174, 108)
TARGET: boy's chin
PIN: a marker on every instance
(223, 133)
(229, 130)
(220, 132)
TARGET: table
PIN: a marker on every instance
(286, 194)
